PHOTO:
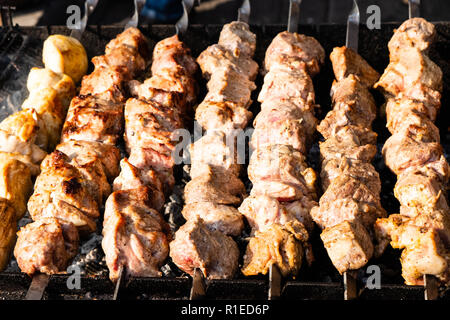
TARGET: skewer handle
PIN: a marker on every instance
(198, 290)
(274, 283)
(182, 24)
(350, 285)
(294, 15)
(118, 283)
(244, 11)
(89, 7)
(431, 287)
(352, 36)
(414, 8)
(37, 287)
(134, 21)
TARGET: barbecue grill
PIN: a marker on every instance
(20, 49)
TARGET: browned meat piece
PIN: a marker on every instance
(132, 177)
(46, 246)
(131, 38)
(61, 191)
(350, 142)
(162, 164)
(415, 32)
(283, 124)
(28, 126)
(424, 251)
(214, 187)
(413, 76)
(347, 63)
(214, 150)
(94, 175)
(348, 245)
(170, 53)
(8, 227)
(49, 108)
(12, 144)
(262, 211)
(86, 151)
(145, 91)
(151, 125)
(401, 152)
(223, 218)
(93, 119)
(105, 83)
(303, 48)
(352, 105)
(196, 246)
(398, 109)
(128, 53)
(364, 171)
(121, 57)
(237, 38)
(134, 234)
(222, 116)
(295, 86)
(420, 189)
(15, 184)
(418, 127)
(216, 59)
(278, 245)
(281, 172)
(348, 198)
(230, 86)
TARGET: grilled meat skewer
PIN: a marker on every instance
(215, 189)
(284, 191)
(351, 201)
(412, 85)
(28, 134)
(135, 235)
(75, 179)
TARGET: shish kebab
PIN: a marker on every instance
(283, 193)
(412, 85)
(135, 235)
(350, 203)
(204, 242)
(28, 134)
(74, 179)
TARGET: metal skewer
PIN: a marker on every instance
(294, 15)
(37, 287)
(119, 283)
(182, 25)
(274, 283)
(352, 36)
(89, 7)
(134, 21)
(244, 12)
(414, 8)
(351, 41)
(198, 289)
(430, 283)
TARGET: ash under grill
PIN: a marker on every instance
(321, 281)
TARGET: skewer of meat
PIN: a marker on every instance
(28, 134)
(75, 179)
(412, 84)
(283, 193)
(135, 235)
(214, 191)
(350, 203)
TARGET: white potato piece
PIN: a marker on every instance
(63, 54)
